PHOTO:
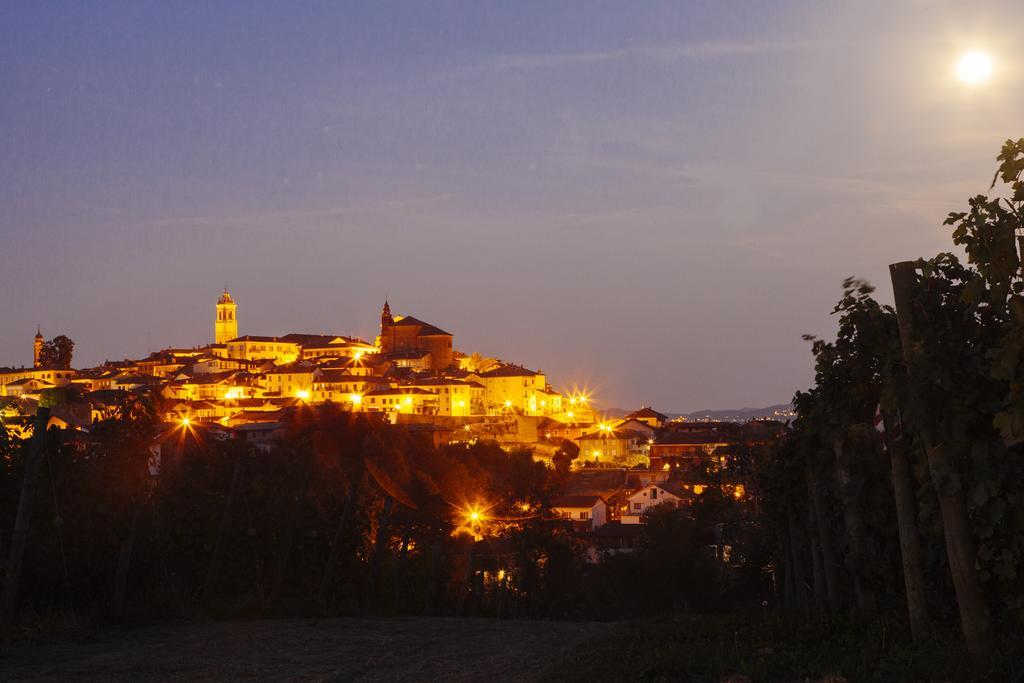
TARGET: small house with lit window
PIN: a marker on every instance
(670, 493)
(588, 512)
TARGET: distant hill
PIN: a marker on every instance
(779, 411)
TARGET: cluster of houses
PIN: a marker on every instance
(410, 376)
(410, 373)
(607, 506)
(681, 457)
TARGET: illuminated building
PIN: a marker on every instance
(406, 400)
(670, 493)
(403, 334)
(648, 416)
(289, 380)
(514, 388)
(29, 381)
(608, 445)
(37, 349)
(590, 511)
(688, 449)
(455, 397)
(225, 324)
(254, 347)
(343, 385)
(324, 346)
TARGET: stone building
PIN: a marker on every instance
(401, 334)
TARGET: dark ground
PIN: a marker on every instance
(447, 650)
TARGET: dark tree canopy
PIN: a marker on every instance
(57, 352)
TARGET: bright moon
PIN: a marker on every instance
(974, 68)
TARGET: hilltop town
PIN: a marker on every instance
(411, 376)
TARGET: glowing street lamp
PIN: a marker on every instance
(302, 395)
(355, 399)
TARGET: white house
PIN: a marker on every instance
(590, 511)
(654, 494)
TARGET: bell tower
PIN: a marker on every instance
(225, 326)
(37, 348)
(384, 341)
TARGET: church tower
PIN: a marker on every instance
(225, 327)
(37, 348)
(384, 341)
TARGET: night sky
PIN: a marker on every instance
(654, 200)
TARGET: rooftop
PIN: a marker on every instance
(426, 329)
(509, 370)
(578, 501)
(646, 412)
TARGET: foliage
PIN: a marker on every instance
(57, 352)
(958, 388)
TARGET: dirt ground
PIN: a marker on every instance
(448, 650)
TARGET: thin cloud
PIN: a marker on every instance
(657, 53)
(289, 217)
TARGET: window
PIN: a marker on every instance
(638, 506)
(654, 494)
(584, 515)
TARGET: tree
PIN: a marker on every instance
(477, 362)
(563, 457)
(57, 353)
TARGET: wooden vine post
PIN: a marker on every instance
(975, 621)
